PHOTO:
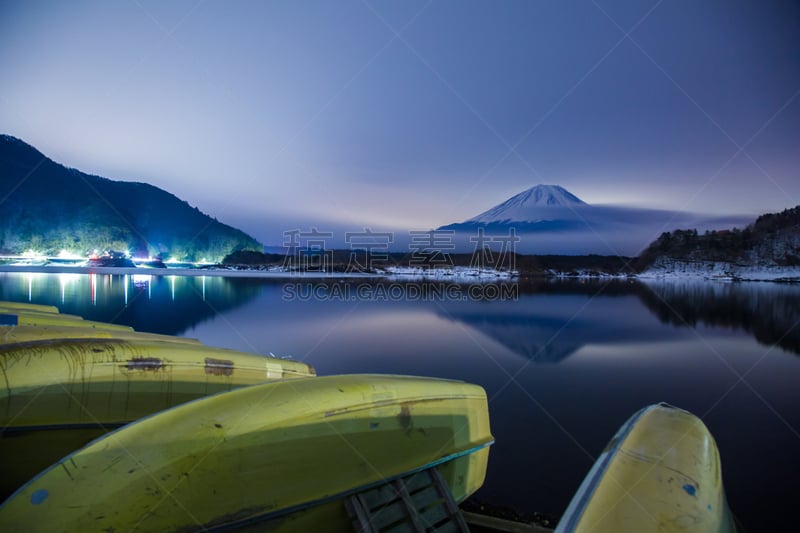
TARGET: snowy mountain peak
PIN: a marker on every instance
(544, 195)
(529, 202)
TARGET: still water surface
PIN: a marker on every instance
(564, 364)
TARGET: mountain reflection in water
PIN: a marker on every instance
(770, 312)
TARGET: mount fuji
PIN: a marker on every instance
(531, 206)
(551, 220)
(540, 208)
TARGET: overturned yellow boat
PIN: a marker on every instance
(26, 306)
(21, 314)
(64, 386)
(33, 333)
(278, 456)
(62, 374)
(660, 473)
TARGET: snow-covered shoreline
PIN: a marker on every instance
(458, 273)
(673, 270)
(719, 271)
(454, 274)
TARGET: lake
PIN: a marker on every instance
(564, 363)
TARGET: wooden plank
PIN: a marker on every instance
(388, 515)
(415, 504)
(418, 481)
(501, 525)
(427, 497)
(433, 515)
(444, 490)
(379, 496)
(402, 527)
(413, 515)
(355, 510)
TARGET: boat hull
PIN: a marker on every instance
(21, 334)
(61, 394)
(24, 317)
(661, 472)
(278, 456)
(25, 306)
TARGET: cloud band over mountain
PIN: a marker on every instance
(550, 220)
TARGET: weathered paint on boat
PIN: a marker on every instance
(25, 306)
(107, 364)
(20, 334)
(660, 473)
(58, 395)
(278, 456)
(12, 317)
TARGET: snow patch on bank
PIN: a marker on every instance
(462, 274)
(719, 270)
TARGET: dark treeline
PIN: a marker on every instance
(773, 237)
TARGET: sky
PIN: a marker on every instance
(274, 115)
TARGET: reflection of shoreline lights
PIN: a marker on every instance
(29, 276)
(66, 279)
(93, 294)
(143, 280)
(140, 280)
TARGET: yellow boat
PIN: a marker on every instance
(276, 457)
(660, 473)
(61, 394)
(25, 322)
(66, 375)
(20, 334)
(25, 306)
(19, 317)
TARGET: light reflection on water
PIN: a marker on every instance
(563, 365)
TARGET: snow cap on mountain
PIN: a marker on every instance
(530, 202)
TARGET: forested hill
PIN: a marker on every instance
(772, 240)
(47, 207)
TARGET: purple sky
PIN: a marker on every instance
(401, 114)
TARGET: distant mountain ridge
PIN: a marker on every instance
(49, 207)
(551, 220)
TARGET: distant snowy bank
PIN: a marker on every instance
(463, 274)
(455, 274)
(662, 269)
(586, 274)
(719, 270)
